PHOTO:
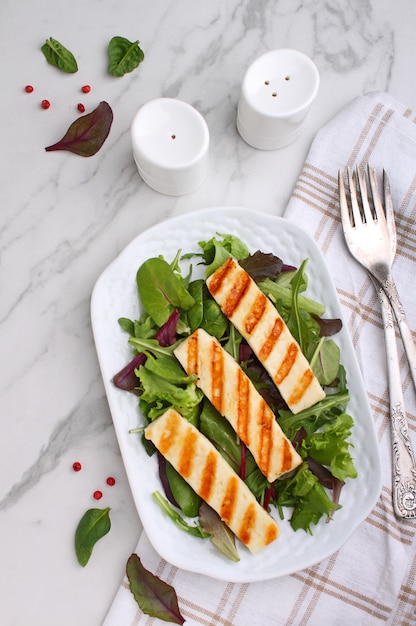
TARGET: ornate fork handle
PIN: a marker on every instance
(389, 287)
(404, 465)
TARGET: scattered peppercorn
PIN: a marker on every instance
(76, 466)
(98, 494)
(111, 481)
(81, 107)
(45, 104)
(86, 89)
(28, 88)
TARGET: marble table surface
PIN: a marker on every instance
(64, 218)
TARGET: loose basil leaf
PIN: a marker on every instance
(87, 134)
(56, 54)
(94, 524)
(124, 56)
(155, 597)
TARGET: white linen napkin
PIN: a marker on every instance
(372, 579)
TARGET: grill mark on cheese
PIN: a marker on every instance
(271, 534)
(168, 438)
(287, 364)
(187, 455)
(271, 340)
(217, 376)
(192, 366)
(229, 501)
(256, 312)
(302, 386)
(236, 294)
(265, 421)
(247, 524)
(243, 400)
(286, 456)
(220, 275)
(208, 476)
(213, 479)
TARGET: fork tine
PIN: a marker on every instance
(378, 205)
(355, 207)
(368, 215)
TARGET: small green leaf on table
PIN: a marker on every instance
(94, 525)
(124, 56)
(155, 597)
(56, 54)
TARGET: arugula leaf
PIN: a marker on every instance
(176, 517)
(94, 524)
(155, 597)
(281, 294)
(56, 54)
(124, 56)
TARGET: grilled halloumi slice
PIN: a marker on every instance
(196, 459)
(259, 322)
(233, 394)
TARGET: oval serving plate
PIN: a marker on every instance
(115, 296)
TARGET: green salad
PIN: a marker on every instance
(173, 306)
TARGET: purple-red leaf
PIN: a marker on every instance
(153, 595)
(126, 378)
(261, 265)
(87, 134)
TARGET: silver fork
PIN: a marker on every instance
(404, 466)
(369, 242)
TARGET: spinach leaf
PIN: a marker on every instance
(56, 54)
(124, 56)
(94, 524)
(185, 497)
(161, 290)
(325, 361)
(87, 134)
(155, 597)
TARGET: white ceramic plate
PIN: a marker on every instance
(115, 295)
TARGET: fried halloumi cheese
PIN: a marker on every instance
(198, 461)
(259, 322)
(233, 394)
